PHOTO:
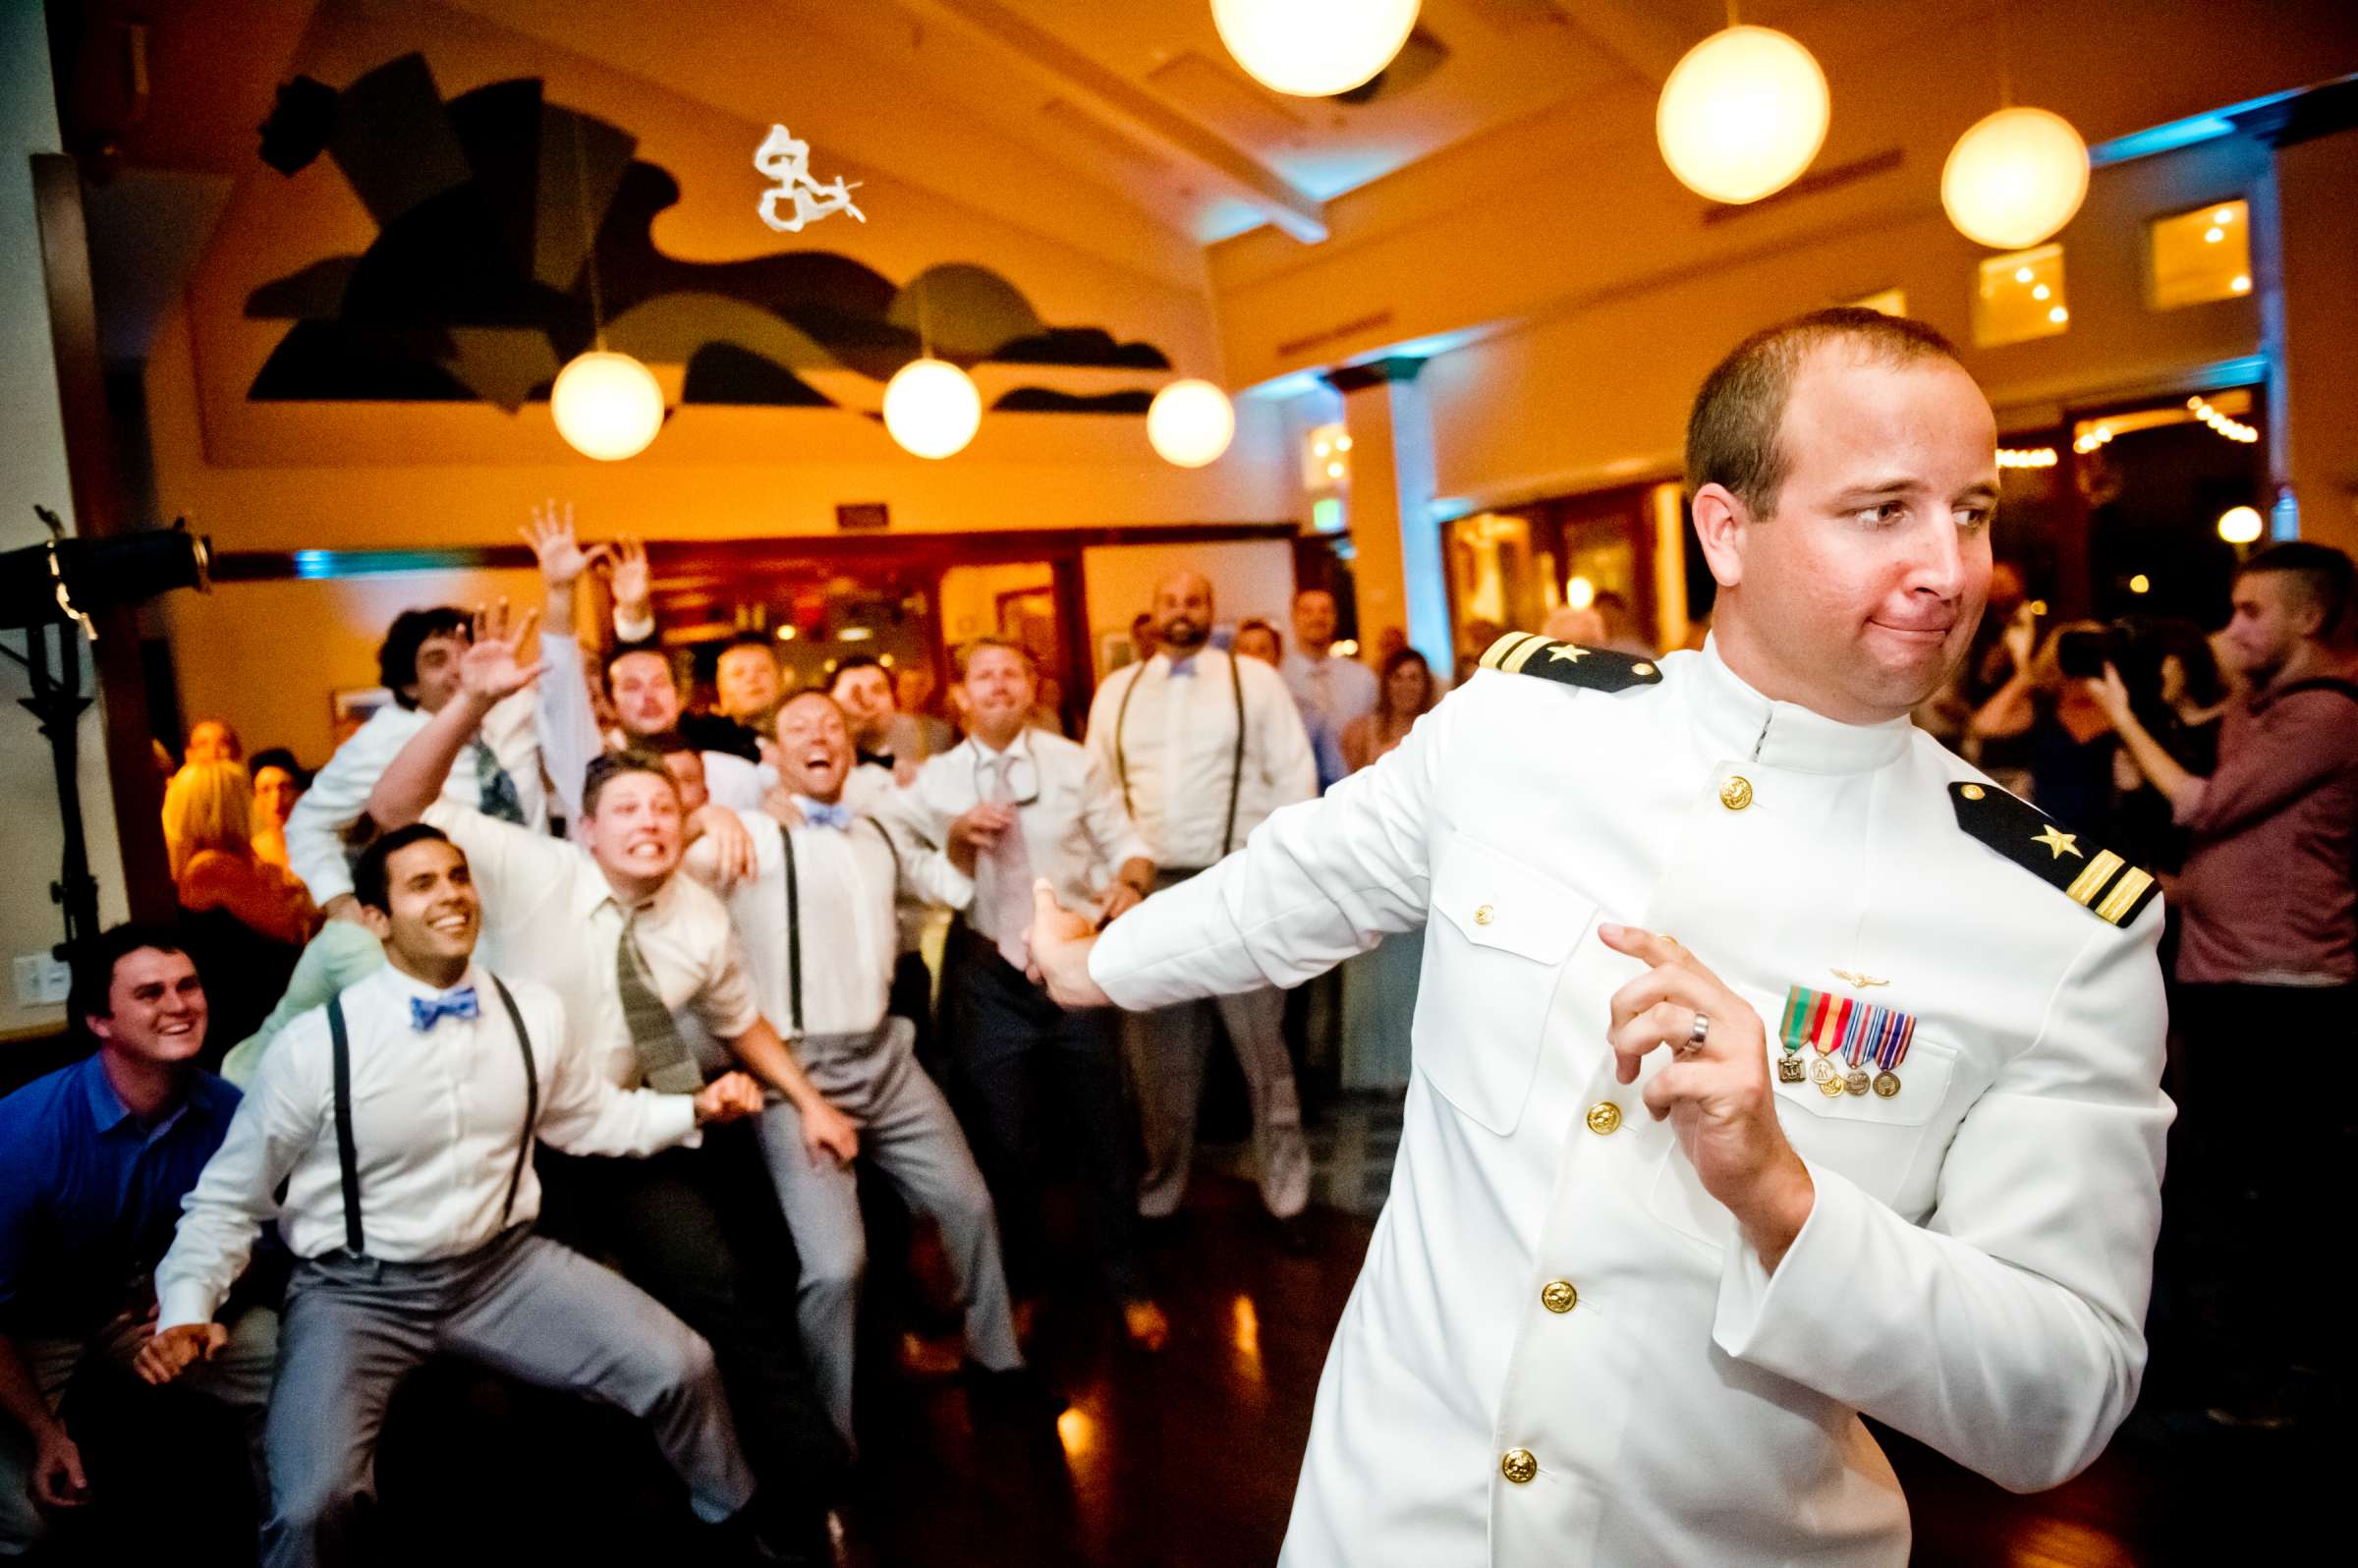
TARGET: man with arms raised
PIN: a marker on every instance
(626, 944)
(1773, 1068)
(398, 1122)
(817, 919)
(1012, 803)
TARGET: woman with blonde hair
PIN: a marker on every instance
(246, 919)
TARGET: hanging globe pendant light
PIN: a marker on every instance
(1191, 423)
(931, 408)
(2015, 178)
(1314, 49)
(1742, 115)
(607, 406)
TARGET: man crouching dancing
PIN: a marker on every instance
(401, 1119)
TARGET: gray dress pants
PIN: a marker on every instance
(1167, 1048)
(906, 1128)
(521, 1304)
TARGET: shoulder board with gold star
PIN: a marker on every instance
(2096, 879)
(1597, 668)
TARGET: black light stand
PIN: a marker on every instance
(60, 585)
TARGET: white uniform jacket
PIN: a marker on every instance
(1975, 1267)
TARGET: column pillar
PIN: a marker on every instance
(2318, 245)
(1398, 544)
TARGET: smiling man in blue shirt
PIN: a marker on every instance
(95, 1159)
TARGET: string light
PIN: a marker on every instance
(2034, 457)
(2093, 439)
(2232, 430)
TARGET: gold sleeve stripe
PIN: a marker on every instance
(2124, 894)
(2091, 881)
(1514, 662)
(1497, 656)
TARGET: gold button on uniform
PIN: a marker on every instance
(1518, 1466)
(1736, 792)
(1605, 1117)
(1485, 915)
(1559, 1296)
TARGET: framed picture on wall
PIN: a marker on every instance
(352, 707)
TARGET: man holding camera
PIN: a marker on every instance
(2269, 948)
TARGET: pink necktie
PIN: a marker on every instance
(1009, 874)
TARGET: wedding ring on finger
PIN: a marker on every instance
(1695, 1037)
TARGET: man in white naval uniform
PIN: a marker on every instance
(1585, 1334)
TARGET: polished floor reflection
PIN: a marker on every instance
(1183, 1460)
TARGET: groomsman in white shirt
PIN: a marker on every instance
(499, 774)
(1014, 804)
(817, 920)
(1204, 746)
(399, 1119)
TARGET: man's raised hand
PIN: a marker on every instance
(561, 557)
(493, 666)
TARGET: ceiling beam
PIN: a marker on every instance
(1229, 169)
(1635, 34)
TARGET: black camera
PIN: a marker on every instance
(2083, 654)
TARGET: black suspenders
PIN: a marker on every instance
(794, 913)
(1236, 764)
(348, 1155)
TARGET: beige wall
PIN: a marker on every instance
(268, 657)
(1606, 387)
(1249, 578)
(2318, 195)
(32, 470)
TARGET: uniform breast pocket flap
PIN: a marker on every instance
(1495, 944)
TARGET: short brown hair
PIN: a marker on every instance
(968, 650)
(1733, 432)
(608, 767)
(2323, 575)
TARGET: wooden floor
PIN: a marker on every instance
(1188, 1460)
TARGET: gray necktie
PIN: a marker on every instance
(495, 787)
(664, 1061)
(1008, 870)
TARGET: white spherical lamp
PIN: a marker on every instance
(607, 406)
(933, 408)
(1314, 49)
(2015, 178)
(2239, 525)
(1742, 115)
(1191, 423)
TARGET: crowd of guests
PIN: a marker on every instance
(551, 1024)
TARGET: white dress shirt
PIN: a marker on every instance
(1976, 1266)
(437, 1118)
(550, 914)
(845, 883)
(1074, 828)
(1173, 753)
(1337, 690)
(339, 791)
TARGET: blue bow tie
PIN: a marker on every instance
(838, 817)
(459, 1004)
(1183, 669)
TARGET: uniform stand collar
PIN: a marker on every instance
(1740, 722)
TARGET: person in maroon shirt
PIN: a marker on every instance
(2267, 963)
